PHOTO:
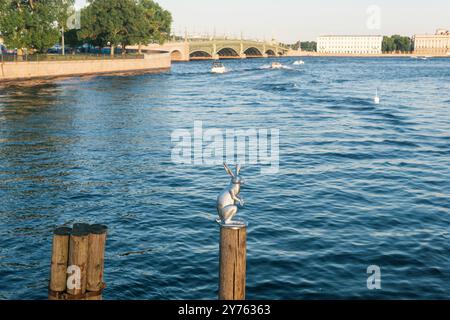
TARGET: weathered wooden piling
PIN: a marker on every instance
(78, 259)
(96, 258)
(60, 258)
(78, 262)
(233, 261)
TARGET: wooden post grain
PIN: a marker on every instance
(60, 258)
(96, 259)
(78, 257)
(233, 256)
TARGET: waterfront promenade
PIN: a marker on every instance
(28, 70)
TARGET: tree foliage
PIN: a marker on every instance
(157, 22)
(32, 24)
(124, 22)
(397, 43)
(305, 46)
(309, 46)
(37, 24)
(105, 22)
(71, 38)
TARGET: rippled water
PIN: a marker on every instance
(359, 184)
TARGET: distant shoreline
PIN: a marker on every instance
(384, 55)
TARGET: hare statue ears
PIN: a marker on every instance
(236, 178)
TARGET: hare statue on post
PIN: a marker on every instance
(229, 198)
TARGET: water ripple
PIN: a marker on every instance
(359, 184)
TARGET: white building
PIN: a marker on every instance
(438, 43)
(350, 44)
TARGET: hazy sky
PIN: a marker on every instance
(291, 20)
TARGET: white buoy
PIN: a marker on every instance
(376, 99)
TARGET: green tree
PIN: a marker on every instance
(388, 45)
(63, 12)
(397, 43)
(305, 46)
(309, 46)
(155, 25)
(72, 39)
(30, 24)
(124, 22)
(295, 46)
(402, 44)
(104, 22)
(160, 21)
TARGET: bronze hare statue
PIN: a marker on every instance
(229, 197)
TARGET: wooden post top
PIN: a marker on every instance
(98, 229)
(81, 229)
(62, 231)
(237, 224)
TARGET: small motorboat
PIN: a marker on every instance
(218, 67)
(299, 62)
(276, 65)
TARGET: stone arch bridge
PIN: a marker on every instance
(216, 49)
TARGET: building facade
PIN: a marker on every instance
(350, 44)
(436, 44)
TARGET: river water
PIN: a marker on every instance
(358, 184)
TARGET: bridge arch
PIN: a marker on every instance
(200, 54)
(270, 53)
(176, 55)
(253, 52)
(227, 52)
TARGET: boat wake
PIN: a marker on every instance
(270, 67)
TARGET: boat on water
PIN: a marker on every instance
(218, 68)
(299, 62)
(276, 65)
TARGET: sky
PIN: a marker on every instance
(293, 20)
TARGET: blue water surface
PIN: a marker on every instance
(359, 184)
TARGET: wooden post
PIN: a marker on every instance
(60, 258)
(233, 261)
(96, 258)
(78, 258)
